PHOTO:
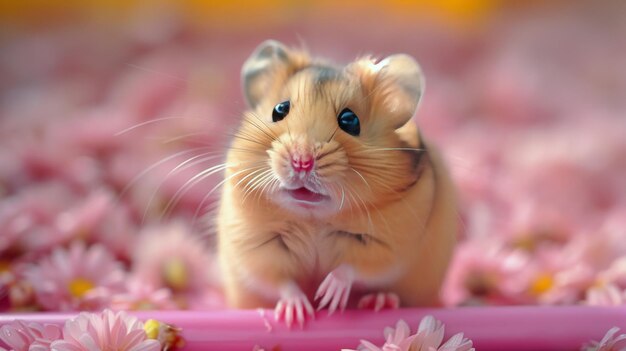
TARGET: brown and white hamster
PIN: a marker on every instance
(331, 193)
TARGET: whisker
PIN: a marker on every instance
(191, 183)
(249, 140)
(155, 71)
(251, 151)
(343, 197)
(353, 193)
(362, 178)
(155, 165)
(181, 137)
(182, 166)
(149, 122)
(206, 197)
(262, 130)
(251, 186)
(333, 135)
(391, 149)
(263, 185)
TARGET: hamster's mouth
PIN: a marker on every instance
(305, 195)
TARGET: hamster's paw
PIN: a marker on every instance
(378, 301)
(335, 289)
(293, 304)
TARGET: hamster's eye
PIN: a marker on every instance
(280, 111)
(349, 122)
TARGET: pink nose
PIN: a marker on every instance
(302, 163)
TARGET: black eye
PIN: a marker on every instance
(280, 111)
(349, 122)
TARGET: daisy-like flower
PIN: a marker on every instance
(172, 257)
(105, 331)
(142, 296)
(22, 336)
(428, 337)
(605, 295)
(610, 342)
(397, 339)
(76, 278)
(480, 273)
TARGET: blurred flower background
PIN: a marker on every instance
(110, 109)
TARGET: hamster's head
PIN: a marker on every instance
(319, 139)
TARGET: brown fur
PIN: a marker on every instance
(394, 221)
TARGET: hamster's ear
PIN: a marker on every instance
(395, 84)
(267, 68)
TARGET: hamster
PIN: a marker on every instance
(331, 194)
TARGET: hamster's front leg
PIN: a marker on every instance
(335, 289)
(293, 304)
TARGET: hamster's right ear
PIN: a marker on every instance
(269, 66)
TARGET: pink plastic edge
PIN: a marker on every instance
(490, 328)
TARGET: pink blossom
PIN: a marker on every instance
(22, 336)
(76, 278)
(616, 273)
(140, 295)
(172, 256)
(481, 273)
(428, 337)
(430, 334)
(610, 342)
(105, 331)
(605, 295)
(395, 339)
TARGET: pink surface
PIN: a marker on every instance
(497, 328)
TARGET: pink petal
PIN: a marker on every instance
(134, 338)
(427, 324)
(89, 343)
(52, 332)
(368, 346)
(147, 345)
(63, 345)
(14, 338)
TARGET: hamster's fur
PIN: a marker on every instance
(376, 210)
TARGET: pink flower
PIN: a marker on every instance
(481, 271)
(76, 278)
(428, 337)
(395, 339)
(430, 334)
(105, 331)
(605, 295)
(172, 256)
(141, 296)
(22, 336)
(610, 342)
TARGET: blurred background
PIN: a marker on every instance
(109, 110)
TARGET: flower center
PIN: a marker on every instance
(175, 274)
(151, 327)
(541, 284)
(80, 286)
(5, 266)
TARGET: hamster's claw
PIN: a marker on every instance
(378, 301)
(335, 289)
(293, 305)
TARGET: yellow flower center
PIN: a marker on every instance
(80, 286)
(151, 327)
(541, 284)
(175, 274)
(5, 266)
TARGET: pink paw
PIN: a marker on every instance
(335, 289)
(378, 301)
(293, 305)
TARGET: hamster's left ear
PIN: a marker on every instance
(267, 69)
(395, 84)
